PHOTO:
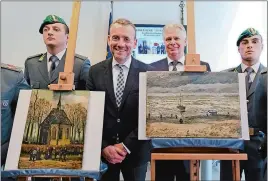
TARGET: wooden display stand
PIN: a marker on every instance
(52, 177)
(195, 154)
(66, 79)
(192, 63)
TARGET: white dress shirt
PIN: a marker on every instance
(255, 67)
(59, 55)
(116, 72)
(179, 66)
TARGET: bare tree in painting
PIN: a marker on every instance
(71, 113)
(77, 115)
(31, 118)
(38, 108)
(83, 117)
(81, 121)
(43, 109)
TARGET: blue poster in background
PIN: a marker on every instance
(150, 43)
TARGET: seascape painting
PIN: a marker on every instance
(196, 105)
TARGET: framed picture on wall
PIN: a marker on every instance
(150, 43)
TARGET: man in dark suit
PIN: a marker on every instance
(119, 78)
(43, 69)
(250, 46)
(174, 36)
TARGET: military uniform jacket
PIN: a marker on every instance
(12, 81)
(37, 75)
(253, 123)
(254, 146)
(260, 101)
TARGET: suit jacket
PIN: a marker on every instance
(253, 123)
(121, 124)
(260, 101)
(260, 108)
(252, 147)
(12, 81)
(37, 76)
(162, 65)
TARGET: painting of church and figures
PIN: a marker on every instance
(183, 104)
(54, 132)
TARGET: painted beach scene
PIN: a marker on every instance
(54, 132)
(196, 105)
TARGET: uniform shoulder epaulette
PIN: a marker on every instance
(233, 69)
(264, 71)
(81, 57)
(11, 67)
(34, 56)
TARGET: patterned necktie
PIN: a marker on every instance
(55, 61)
(249, 70)
(174, 64)
(120, 86)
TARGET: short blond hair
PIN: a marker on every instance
(124, 22)
(179, 27)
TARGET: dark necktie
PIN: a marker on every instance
(55, 61)
(120, 86)
(174, 64)
(249, 70)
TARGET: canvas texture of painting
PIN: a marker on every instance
(197, 105)
(54, 133)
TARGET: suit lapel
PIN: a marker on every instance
(108, 77)
(239, 69)
(42, 67)
(131, 79)
(59, 68)
(165, 62)
(254, 83)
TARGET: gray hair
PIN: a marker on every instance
(179, 27)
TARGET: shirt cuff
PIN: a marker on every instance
(126, 148)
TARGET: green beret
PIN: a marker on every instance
(51, 19)
(247, 33)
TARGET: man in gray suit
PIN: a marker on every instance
(174, 36)
(43, 69)
(250, 46)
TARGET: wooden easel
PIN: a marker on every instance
(66, 79)
(192, 63)
(195, 154)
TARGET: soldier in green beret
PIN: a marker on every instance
(250, 46)
(43, 69)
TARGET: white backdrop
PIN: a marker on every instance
(218, 24)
